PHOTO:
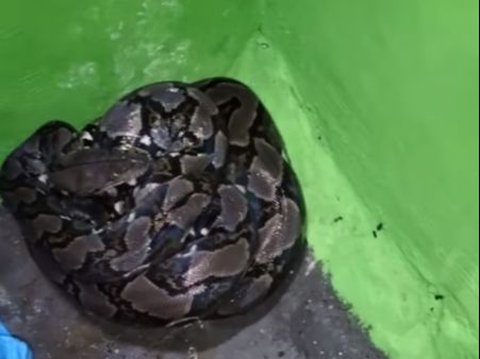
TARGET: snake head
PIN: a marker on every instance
(168, 118)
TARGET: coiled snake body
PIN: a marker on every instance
(177, 203)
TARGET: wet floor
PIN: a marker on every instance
(306, 321)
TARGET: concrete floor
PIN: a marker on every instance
(307, 321)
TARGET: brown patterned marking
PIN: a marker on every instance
(205, 101)
(221, 147)
(233, 207)
(270, 158)
(137, 241)
(265, 171)
(177, 189)
(61, 138)
(46, 223)
(279, 232)
(130, 261)
(73, 256)
(161, 137)
(36, 167)
(201, 123)
(223, 262)
(194, 165)
(123, 119)
(143, 193)
(242, 118)
(260, 182)
(137, 233)
(168, 95)
(147, 297)
(185, 215)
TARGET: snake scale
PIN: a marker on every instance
(179, 202)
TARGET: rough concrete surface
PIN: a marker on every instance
(305, 320)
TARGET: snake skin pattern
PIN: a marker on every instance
(178, 203)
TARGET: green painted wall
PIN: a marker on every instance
(377, 104)
(72, 59)
(392, 86)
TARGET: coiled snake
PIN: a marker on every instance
(177, 203)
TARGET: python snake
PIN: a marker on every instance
(179, 202)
